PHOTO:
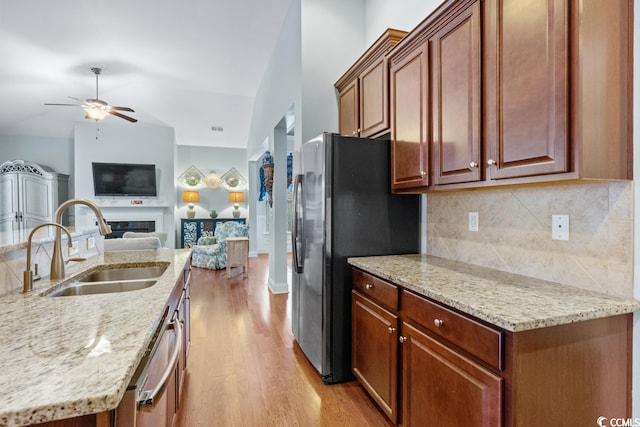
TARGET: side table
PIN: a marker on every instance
(238, 254)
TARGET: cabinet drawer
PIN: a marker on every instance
(481, 341)
(381, 291)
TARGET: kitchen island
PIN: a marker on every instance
(442, 342)
(70, 356)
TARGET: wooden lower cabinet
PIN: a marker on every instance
(375, 352)
(441, 387)
(425, 363)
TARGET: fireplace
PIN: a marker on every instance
(118, 228)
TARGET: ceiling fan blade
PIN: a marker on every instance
(122, 109)
(70, 105)
(77, 99)
(122, 116)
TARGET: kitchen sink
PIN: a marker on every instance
(105, 280)
(92, 288)
(124, 273)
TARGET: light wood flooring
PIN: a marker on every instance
(244, 367)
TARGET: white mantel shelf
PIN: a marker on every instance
(131, 203)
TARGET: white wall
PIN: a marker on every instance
(399, 14)
(332, 39)
(206, 159)
(127, 143)
(57, 153)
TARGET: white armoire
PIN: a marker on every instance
(29, 195)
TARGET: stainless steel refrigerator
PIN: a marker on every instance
(343, 207)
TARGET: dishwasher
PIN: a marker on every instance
(151, 399)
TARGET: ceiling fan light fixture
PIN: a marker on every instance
(95, 113)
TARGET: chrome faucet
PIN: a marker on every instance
(57, 262)
(27, 284)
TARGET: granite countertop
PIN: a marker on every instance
(70, 356)
(509, 301)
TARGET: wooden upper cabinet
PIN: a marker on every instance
(456, 106)
(515, 92)
(348, 110)
(374, 98)
(409, 88)
(526, 87)
(602, 88)
(363, 91)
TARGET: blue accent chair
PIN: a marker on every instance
(211, 252)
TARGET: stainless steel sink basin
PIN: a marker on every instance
(80, 288)
(125, 273)
(105, 280)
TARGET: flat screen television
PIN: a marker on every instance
(124, 179)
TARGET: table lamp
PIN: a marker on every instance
(190, 197)
(236, 197)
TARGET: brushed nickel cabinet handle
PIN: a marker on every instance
(391, 329)
(403, 339)
(368, 286)
(438, 322)
(423, 174)
(473, 165)
(491, 162)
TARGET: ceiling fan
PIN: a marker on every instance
(96, 108)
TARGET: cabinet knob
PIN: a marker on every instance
(491, 162)
(403, 339)
(391, 329)
(368, 286)
(438, 322)
(423, 174)
(473, 165)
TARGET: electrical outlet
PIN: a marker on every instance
(73, 250)
(559, 227)
(473, 221)
(91, 242)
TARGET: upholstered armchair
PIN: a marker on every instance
(211, 252)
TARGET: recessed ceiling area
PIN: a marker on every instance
(189, 65)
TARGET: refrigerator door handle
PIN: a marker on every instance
(296, 229)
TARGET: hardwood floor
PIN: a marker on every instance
(244, 367)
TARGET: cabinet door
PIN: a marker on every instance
(374, 98)
(456, 106)
(188, 233)
(409, 126)
(374, 354)
(443, 388)
(348, 110)
(526, 96)
(36, 200)
(9, 209)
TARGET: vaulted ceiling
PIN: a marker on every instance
(190, 64)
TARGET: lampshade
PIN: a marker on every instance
(190, 196)
(236, 197)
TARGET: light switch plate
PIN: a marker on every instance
(559, 227)
(473, 221)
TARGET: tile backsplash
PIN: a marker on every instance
(514, 232)
(13, 262)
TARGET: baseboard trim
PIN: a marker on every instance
(278, 288)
